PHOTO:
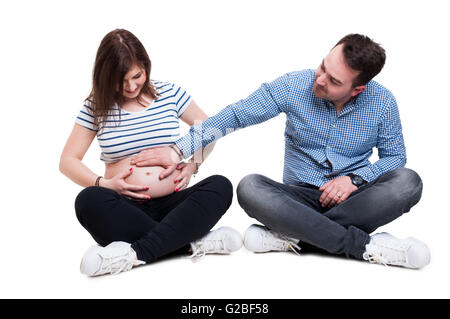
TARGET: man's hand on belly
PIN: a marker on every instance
(156, 156)
(168, 171)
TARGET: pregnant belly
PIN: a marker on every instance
(144, 176)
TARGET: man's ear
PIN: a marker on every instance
(357, 90)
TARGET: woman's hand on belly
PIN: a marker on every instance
(118, 184)
(185, 172)
(150, 176)
(146, 176)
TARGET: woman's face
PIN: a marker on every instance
(133, 82)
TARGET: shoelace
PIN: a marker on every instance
(202, 247)
(282, 243)
(386, 255)
(117, 264)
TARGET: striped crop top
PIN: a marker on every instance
(157, 125)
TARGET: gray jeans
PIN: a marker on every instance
(295, 210)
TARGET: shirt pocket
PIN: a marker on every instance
(358, 137)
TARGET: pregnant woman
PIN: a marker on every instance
(140, 214)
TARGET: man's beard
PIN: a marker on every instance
(319, 91)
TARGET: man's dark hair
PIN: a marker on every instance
(364, 55)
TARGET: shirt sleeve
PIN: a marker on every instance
(85, 118)
(390, 145)
(182, 99)
(263, 104)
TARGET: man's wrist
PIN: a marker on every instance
(177, 150)
(197, 165)
(356, 180)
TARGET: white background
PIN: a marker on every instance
(220, 52)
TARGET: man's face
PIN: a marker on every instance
(334, 78)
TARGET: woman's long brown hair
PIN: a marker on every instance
(117, 53)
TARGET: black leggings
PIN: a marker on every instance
(160, 226)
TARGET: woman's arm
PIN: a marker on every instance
(72, 166)
(76, 147)
(192, 116)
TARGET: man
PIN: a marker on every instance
(331, 197)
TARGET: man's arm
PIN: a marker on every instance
(390, 144)
(263, 104)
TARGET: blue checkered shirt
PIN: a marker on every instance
(319, 144)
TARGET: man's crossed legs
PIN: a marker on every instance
(293, 215)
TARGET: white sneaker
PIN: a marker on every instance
(223, 240)
(385, 249)
(114, 258)
(259, 239)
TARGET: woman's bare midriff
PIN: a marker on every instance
(144, 176)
